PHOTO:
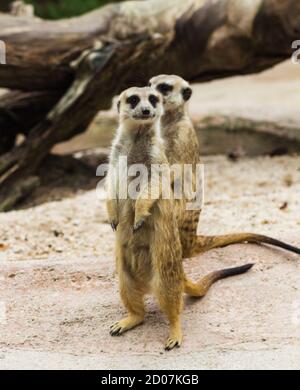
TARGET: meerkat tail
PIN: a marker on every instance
(205, 243)
(200, 288)
(278, 243)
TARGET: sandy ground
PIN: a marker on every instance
(59, 291)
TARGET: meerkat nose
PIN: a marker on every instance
(146, 111)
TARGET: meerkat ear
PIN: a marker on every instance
(119, 106)
(187, 93)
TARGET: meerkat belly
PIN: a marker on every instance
(136, 246)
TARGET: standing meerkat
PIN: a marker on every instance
(182, 148)
(148, 248)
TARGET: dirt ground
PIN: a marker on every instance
(59, 291)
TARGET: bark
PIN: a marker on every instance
(20, 112)
(70, 69)
(208, 39)
(19, 192)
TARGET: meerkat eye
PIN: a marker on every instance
(133, 101)
(164, 88)
(187, 93)
(153, 100)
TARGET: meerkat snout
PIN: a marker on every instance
(140, 105)
(176, 91)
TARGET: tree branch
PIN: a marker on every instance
(35, 78)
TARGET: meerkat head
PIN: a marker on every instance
(176, 91)
(140, 105)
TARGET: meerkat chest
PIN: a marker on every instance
(140, 152)
(181, 142)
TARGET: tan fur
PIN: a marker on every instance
(182, 147)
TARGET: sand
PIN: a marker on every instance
(59, 291)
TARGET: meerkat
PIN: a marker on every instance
(182, 147)
(148, 247)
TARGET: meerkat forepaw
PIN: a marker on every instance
(112, 210)
(114, 225)
(140, 219)
(138, 224)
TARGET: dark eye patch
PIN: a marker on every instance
(133, 100)
(153, 100)
(164, 88)
(187, 93)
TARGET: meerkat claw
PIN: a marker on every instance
(138, 225)
(114, 226)
(115, 329)
(171, 344)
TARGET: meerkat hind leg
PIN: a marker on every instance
(133, 299)
(175, 337)
(171, 305)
